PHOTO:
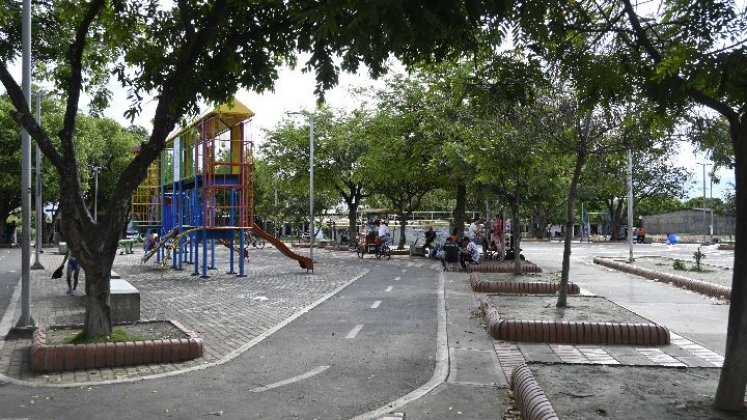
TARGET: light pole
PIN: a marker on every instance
(96, 170)
(710, 228)
(26, 321)
(39, 211)
(311, 179)
(630, 204)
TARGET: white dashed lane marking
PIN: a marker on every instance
(376, 304)
(388, 289)
(397, 278)
(294, 379)
(354, 331)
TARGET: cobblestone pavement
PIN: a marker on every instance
(225, 310)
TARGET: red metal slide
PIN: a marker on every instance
(304, 262)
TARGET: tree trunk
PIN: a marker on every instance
(352, 220)
(402, 225)
(98, 309)
(459, 208)
(570, 219)
(539, 223)
(731, 386)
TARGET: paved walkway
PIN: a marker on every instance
(215, 308)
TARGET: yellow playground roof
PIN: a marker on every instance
(230, 114)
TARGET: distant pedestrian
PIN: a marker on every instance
(72, 274)
(474, 227)
(641, 235)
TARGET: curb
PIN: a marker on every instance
(530, 398)
(572, 332)
(703, 287)
(532, 287)
(57, 357)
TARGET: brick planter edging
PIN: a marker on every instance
(703, 287)
(538, 287)
(530, 398)
(572, 332)
(57, 357)
(526, 267)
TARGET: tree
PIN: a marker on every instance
(188, 51)
(681, 55)
(396, 165)
(655, 178)
(338, 145)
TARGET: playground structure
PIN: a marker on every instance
(199, 192)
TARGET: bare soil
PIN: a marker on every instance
(580, 308)
(630, 392)
(526, 277)
(153, 330)
(710, 273)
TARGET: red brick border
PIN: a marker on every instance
(703, 287)
(503, 267)
(536, 287)
(530, 398)
(572, 332)
(53, 358)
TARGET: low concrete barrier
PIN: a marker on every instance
(530, 398)
(57, 357)
(508, 286)
(703, 287)
(124, 302)
(572, 332)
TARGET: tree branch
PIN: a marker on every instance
(24, 118)
(75, 81)
(171, 103)
(698, 95)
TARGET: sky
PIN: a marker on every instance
(294, 91)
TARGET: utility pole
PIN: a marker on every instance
(311, 179)
(39, 211)
(705, 225)
(630, 204)
(26, 321)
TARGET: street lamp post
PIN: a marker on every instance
(630, 204)
(708, 228)
(311, 179)
(26, 320)
(39, 211)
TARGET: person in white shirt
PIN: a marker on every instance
(472, 230)
(383, 232)
(469, 253)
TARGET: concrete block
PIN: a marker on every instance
(62, 248)
(125, 301)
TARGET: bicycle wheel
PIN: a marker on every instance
(361, 252)
(261, 243)
(379, 253)
(387, 254)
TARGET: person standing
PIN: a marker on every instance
(73, 272)
(473, 229)
(383, 232)
(498, 235)
(641, 235)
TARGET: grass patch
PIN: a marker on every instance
(118, 335)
